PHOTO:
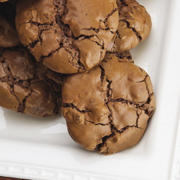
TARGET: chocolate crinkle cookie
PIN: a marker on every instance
(26, 86)
(8, 34)
(134, 26)
(107, 109)
(67, 36)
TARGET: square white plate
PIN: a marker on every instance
(42, 149)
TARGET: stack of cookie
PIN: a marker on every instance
(74, 58)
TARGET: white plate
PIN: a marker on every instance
(42, 149)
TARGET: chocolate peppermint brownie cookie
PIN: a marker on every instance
(134, 26)
(107, 109)
(67, 36)
(8, 34)
(26, 86)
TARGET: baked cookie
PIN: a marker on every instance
(26, 86)
(134, 26)
(8, 34)
(68, 36)
(3, 0)
(107, 109)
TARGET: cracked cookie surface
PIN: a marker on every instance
(8, 34)
(26, 86)
(134, 26)
(68, 36)
(107, 109)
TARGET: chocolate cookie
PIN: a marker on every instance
(107, 109)
(134, 26)
(8, 34)
(68, 36)
(26, 86)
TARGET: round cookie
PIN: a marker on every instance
(26, 86)
(8, 34)
(134, 26)
(68, 36)
(107, 109)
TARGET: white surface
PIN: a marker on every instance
(42, 149)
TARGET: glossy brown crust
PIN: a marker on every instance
(134, 26)
(3, 0)
(107, 109)
(26, 86)
(8, 34)
(68, 36)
